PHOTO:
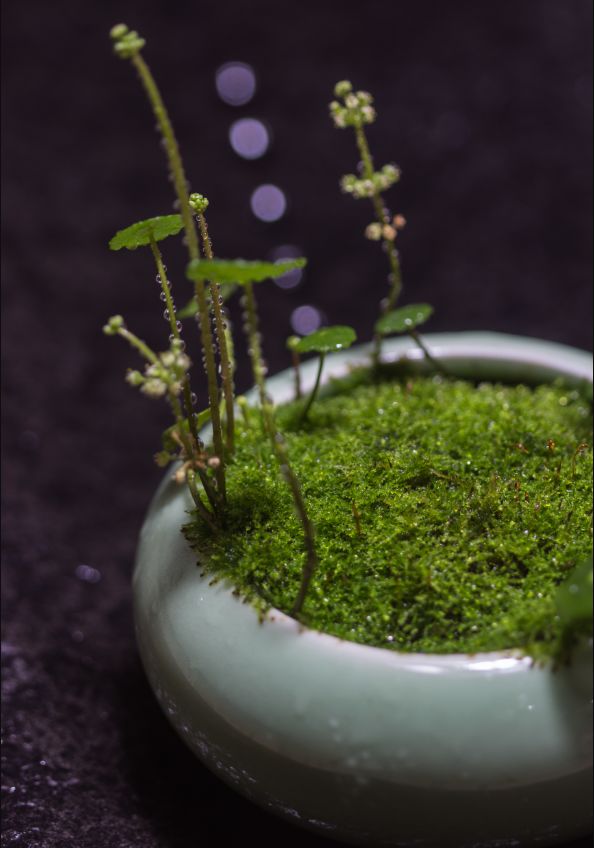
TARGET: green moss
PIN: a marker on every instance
(446, 513)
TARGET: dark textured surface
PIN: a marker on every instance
(487, 109)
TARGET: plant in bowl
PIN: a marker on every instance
(363, 591)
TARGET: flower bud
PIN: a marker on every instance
(342, 88)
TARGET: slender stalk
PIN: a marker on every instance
(255, 349)
(220, 326)
(311, 561)
(314, 391)
(213, 393)
(202, 510)
(143, 349)
(279, 447)
(181, 189)
(395, 276)
(436, 364)
(297, 373)
(166, 288)
(179, 417)
(377, 200)
(176, 167)
(187, 390)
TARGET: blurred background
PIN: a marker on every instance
(486, 108)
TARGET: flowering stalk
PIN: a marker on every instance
(164, 375)
(356, 111)
(127, 45)
(199, 204)
(279, 446)
(187, 390)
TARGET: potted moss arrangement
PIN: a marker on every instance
(363, 592)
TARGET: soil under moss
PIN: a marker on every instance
(446, 513)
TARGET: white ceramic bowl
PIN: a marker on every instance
(362, 744)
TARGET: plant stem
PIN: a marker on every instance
(377, 200)
(179, 418)
(382, 218)
(165, 286)
(297, 372)
(220, 326)
(187, 389)
(213, 392)
(202, 510)
(140, 346)
(176, 167)
(395, 276)
(279, 447)
(314, 391)
(255, 349)
(181, 189)
(414, 334)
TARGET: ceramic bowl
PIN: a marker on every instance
(367, 745)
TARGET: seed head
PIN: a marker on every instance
(134, 378)
(373, 231)
(127, 43)
(342, 88)
(154, 388)
(199, 203)
(114, 325)
(118, 31)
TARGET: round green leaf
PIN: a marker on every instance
(239, 271)
(404, 319)
(141, 233)
(327, 340)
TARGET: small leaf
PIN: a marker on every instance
(574, 597)
(191, 307)
(404, 319)
(139, 234)
(239, 271)
(326, 340)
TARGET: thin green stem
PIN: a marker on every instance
(166, 288)
(187, 389)
(191, 456)
(220, 328)
(213, 392)
(279, 447)
(202, 510)
(382, 218)
(255, 348)
(140, 346)
(314, 391)
(414, 334)
(180, 184)
(297, 373)
(176, 167)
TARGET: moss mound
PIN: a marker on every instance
(446, 513)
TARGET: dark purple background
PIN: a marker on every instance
(485, 106)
